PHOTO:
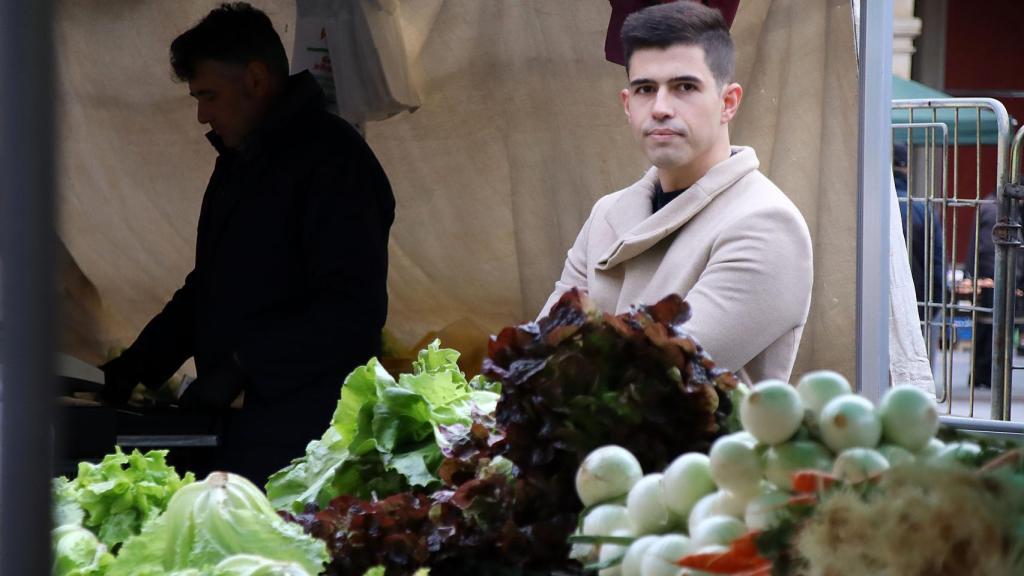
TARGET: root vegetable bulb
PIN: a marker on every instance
(632, 562)
(766, 510)
(720, 503)
(735, 465)
(606, 519)
(612, 551)
(780, 462)
(661, 557)
(957, 453)
(931, 449)
(772, 412)
(859, 464)
(896, 455)
(646, 506)
(909, 417)
(603, 520)
(721, 530)
(606, 473)
(686, 480)
(850, 422)
(816, 389)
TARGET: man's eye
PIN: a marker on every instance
(644, 89)
(687, 87)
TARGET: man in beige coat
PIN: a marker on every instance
(703, 222)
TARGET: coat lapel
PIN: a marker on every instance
(637, 229)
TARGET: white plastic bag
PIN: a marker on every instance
(356, 51)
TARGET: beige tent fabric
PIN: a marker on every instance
(520, 131)
(797, 65)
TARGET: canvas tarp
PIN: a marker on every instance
(520, 130)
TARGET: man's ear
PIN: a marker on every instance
(624, 96)
(732, 94)
(257, 77)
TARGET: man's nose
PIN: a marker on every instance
(202, 115)
(662, 105)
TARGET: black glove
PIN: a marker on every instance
(121, 376)
(216, 390)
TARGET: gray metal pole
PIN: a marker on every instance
(874, 174)
(26, 229)
(1007, 239)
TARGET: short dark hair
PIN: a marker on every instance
(688, 23)
(235, 33)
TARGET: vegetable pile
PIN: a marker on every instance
(816, 473)
(580, 379)
(501, 490)
(114, 498)
(219, 525)
(105, 505)
(133, 515)
(386, 436)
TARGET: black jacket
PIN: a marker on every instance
(289, 285)
(983, 246)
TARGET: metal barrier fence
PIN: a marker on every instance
(965, 297)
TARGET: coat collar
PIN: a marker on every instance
(301, 93)
(637, 229)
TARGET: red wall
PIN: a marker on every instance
(984, 51)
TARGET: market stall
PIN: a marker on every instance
(521, 471)
(422, 468)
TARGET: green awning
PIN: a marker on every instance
(968, 119)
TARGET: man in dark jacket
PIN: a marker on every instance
(288, 293)
(926, 266)
(983, 248)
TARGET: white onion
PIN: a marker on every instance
(817, 388)
(701, 510)
(765, 511)
(646, 506)
(931, 449)
(721, 503)
(859, 464)
(661, 557)
(735, 464)
(633, 561)
(606, 473)
(584, 553)
(720, 530)
(957, 453)
(909, 417)
(780, 462)
(610, 551)
(772, 412)
(850, 422)
(686, 480)
(896, 455)
(605, 519)
(732, 504)
(745, 437)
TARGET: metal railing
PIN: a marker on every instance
(939, 135)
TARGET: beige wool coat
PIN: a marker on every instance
(733, 245)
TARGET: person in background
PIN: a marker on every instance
(982, 281)
(926, 239)
(288, 293)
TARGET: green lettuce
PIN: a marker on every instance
(77, 552)
(209, 522)
(118, 496)
(247, 565)
(386, 436)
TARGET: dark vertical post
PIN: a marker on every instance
(27, 248)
